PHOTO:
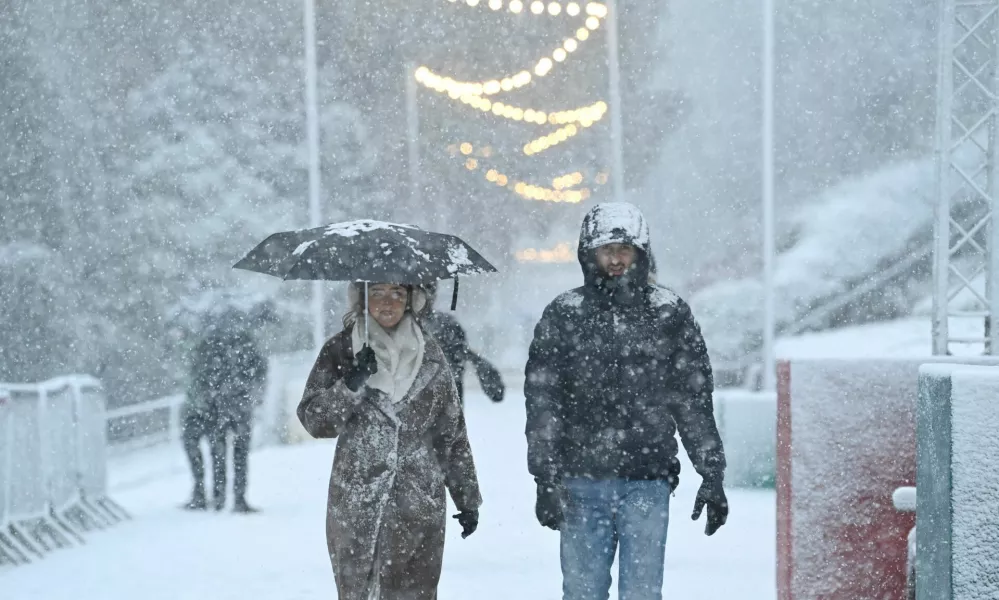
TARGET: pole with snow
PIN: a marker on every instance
(412, 136)
(617, 133)
(312, 127)
(769, 317)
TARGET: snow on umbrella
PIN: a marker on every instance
(365, 250)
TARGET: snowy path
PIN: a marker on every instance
(280, 554)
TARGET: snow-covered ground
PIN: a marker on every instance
(170, 554)
(911, 337)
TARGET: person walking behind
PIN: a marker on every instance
(616, 367)
(389, 397)
(451, 337)
(228, 371)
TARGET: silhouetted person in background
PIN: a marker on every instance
(451, 337)
(227, 372)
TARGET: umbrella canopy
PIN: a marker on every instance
(365, 250)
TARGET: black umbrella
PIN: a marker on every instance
(366, 250)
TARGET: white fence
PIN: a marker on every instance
(159, 421)
(53, 468)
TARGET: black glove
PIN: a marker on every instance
(364, 365)
(469, 520)
(712, 495)
(548, 508)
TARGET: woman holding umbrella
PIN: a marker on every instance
(394, 406)
(384, 389)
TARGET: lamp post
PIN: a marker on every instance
(769, 316)
(614, 67)
(312, 130)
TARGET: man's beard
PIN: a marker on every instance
(624, 288)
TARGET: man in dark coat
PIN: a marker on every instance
(227, 372)
(450, 336)
(615, 369)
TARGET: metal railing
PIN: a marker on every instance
(53, 467)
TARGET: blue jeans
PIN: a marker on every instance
(600, 515)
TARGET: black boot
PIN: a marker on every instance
(198, 501)
(240, 506)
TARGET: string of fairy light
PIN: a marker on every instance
(482, 95)
(560, 190)
(543, 66)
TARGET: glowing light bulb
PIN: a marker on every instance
(570, 45)
(572, 8)
(592, 23)
(465, 148)
(554, 8)
(596, 9)
(506, 85)
(495, 4)
(582, 34)
(537, 7)
(559, 55)
(516, 6)
(472, 2)
(471, 164)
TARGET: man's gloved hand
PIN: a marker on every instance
(469, 520)
(365, 365)
(548, 508)
(712, 495)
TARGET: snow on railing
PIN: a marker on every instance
(137, 426)
(53, 467)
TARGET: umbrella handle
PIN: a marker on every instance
(366, 308)
(454, 294)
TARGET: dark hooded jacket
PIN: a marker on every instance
(616, 368)
(454, 343)
(226, 371)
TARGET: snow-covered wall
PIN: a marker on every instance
(957, 488)
(846, 440)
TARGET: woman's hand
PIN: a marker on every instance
(469, 520)
(364, 365)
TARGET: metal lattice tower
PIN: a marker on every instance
(967, 163)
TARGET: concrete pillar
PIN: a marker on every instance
(957, 483)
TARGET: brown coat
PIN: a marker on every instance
(387, 510)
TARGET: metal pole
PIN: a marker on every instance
(992, 258)
(769, 316)
(941, 230)
(412, 137)
(614, 66)
(367, 299)
(312, 126)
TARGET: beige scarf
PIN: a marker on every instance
(399, 353)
